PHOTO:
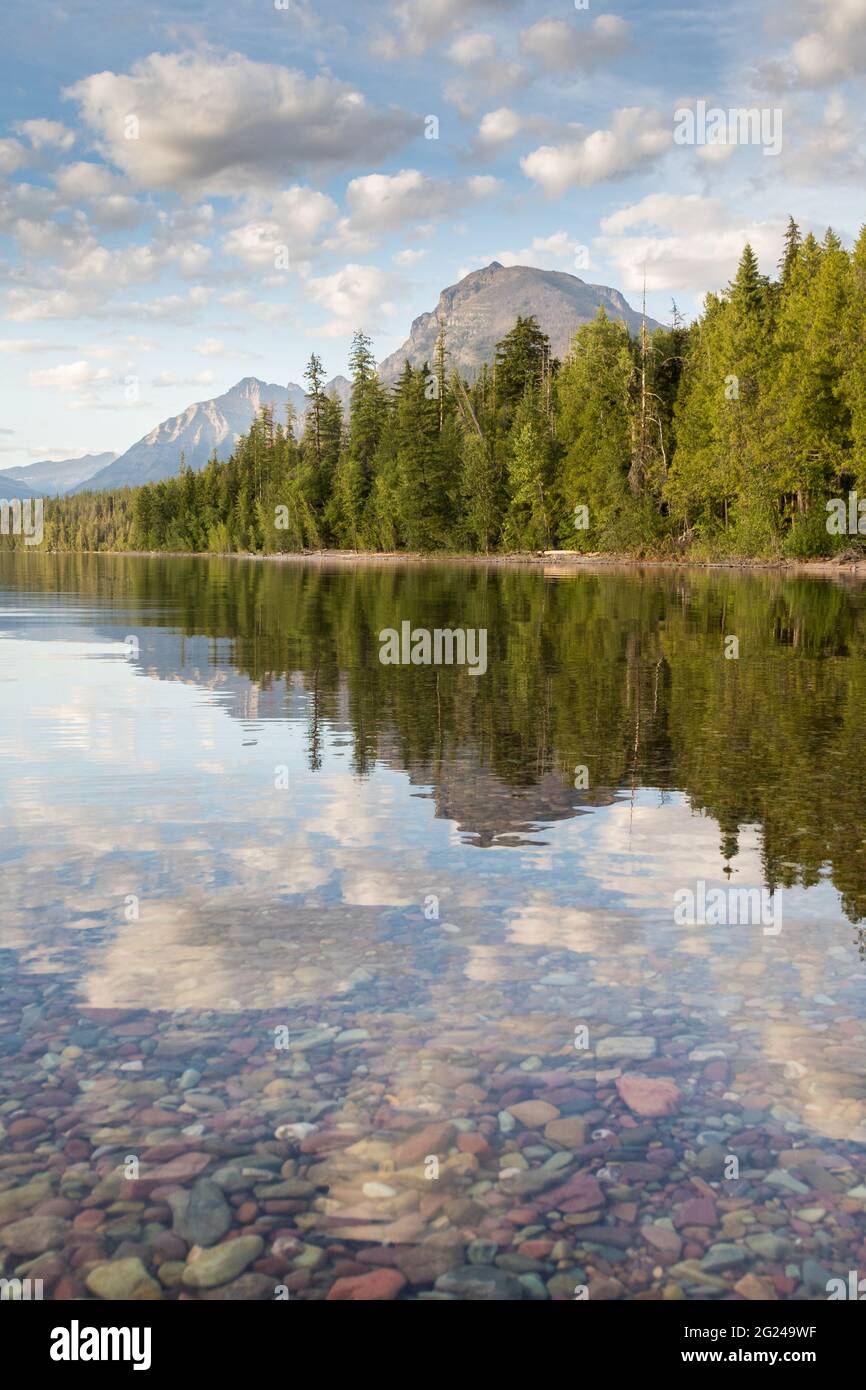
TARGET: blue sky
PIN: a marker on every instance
(192, 193)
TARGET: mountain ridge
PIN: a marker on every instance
(478, 311)
(55, 477)
(203, 429)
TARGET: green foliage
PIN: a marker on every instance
(723, 439)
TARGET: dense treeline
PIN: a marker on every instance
(725, 437)
(623, 676)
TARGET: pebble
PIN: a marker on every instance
(205, 1268)
(634, 1049)
(649, 1096)
(481, 1284)
(35, 1234)
(124, 1279)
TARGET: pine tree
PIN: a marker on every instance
(594, 432)
(347, 514)
(789, 256)
(528, 523)
(315, 375)
(853, 382)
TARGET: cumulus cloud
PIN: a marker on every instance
(84, 180)
(498, 128)
(835, 48)
(560, 47)
(214, 123)
(383, 202)
(172, 308)
(12, 156)
(554, 252)
(471, 49)
(485, 72)
(68, 376)
(829, 147)
(420, 23)
(95, 186)
(213, 347)
(638, 138)
(292, 220)
(64, 270)
(355, 296)
(348, 240)
(47, 134)
(683, 242)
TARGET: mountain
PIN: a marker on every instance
(202, 430)
(477, 313)
(53, 477)
(10, 488)
(481, 308)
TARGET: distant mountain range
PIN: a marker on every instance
(51, 478)
(476, 314)
(202, 430)
(480, 309)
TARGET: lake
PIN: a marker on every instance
(544, 981)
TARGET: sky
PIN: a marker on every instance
(193, 193)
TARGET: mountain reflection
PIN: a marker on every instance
(618, 672)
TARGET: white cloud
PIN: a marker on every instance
(217, 123)
(554, 252)
(12, 156)
(471, 49)
(355, 296)
(64, 271)
(213, 347)
(409, 257)
(95, 186)
(172, 308)
(486, 72)
(47, 134)
(561, 47)
(293, 219)
(22, 306)
(420, 23)
(383, 202)
(347, 240)
(117, 212)
(70, 376)
(690, 213)
(826, 148)
(683, 242)
(500, 126)
(636, 141)
(84, 180)
(835, 49)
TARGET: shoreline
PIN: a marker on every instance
(548, 561)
